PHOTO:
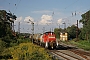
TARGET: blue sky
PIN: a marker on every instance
(45, 13)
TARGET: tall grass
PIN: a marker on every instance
(84, 44)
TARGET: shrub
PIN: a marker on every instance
(28, 51)
(2, 46)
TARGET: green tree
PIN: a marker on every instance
(6, 20)
(2, 25)
(71, 32)
(86, 25)
(82, 34)
(57, 32)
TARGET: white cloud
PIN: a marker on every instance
(19, 19)
(27, 19)
(45, 19)
(59, 21)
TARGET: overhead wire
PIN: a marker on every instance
(68, 7)
(17, 5)
(75, 13)
(72, 4)
(8, 3)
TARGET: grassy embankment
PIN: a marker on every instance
(84, 44)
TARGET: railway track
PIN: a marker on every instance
(66, 55)
(69, 52)
(64, 52)
(83, 54)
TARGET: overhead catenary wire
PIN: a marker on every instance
(72, 4)
(17, 5)
(68, 7)
(75, 14)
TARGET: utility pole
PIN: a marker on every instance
(32, 29)
(19, 28)
(52, 29)
(43, 29)
(77, 31)
(59, 26)
(64, 27)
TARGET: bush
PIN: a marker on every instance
(28, 51)
(2, 46)
(19, 40)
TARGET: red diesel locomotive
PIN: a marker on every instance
(47, 39)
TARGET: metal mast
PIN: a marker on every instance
(19, 28)
(32, 29)
(77, 31)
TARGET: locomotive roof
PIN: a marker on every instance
(49, 32)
